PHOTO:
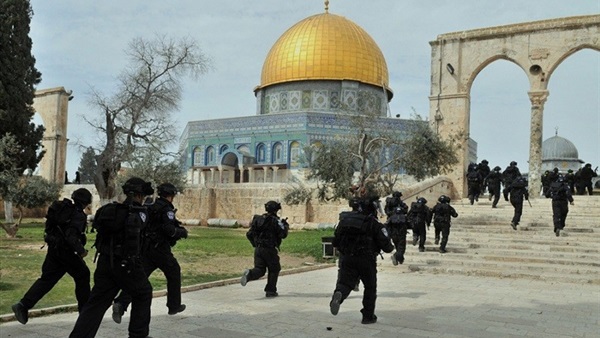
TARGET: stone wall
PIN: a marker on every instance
(237, 203)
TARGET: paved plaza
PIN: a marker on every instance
(409, 304)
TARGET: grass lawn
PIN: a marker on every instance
(208, 254)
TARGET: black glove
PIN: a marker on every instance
(182, 233)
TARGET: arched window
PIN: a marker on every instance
(223, 149)
(295, 154)
(261, 153)
(210, 155)
(277, 155)
(243, 149)
(197, 157)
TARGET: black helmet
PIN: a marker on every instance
(366, 206)
(354, 203)
(82, 196)
(555, 170)
(444, 199)
(513, 163)
(560, 178)
(485, 162)
(396, 194)
(422, 200)
(570, 170)
(166, 189)
(136, 185)
(497, 168)
(272, 206)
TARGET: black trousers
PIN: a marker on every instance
(420, 233)
(398, 237)
(518, 205)
(355, 268)
(57, 263)
(474, 191)
(495, 192)
(444, 230)
(160, 257)
(266, 259)
(560, 209)
(108, 280)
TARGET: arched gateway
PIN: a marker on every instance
(538, 48)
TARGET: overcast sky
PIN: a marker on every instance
(80, 44)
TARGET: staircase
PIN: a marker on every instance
(483, 243)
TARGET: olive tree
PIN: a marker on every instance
(138, 114)
(370, 158)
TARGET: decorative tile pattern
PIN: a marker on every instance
(334, 100)
(306, 99)
(274, 103)
(320, 99)
(349, 99)
(284, 101)
(295, 100)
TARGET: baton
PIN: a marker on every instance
(529, 203)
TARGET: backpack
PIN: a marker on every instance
(352, 231)
(58, 219)
(442, 213)
(473, 176)
(120, 229)
(260, 233)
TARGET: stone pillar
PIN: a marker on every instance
(538, 98)
(275, 179)
(265, 169)
(241, 168)
(202, 177)
(212, 175)
(250, 174)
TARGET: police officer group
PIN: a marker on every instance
(560, 188)
(132, 241)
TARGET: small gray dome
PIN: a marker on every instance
(558, 147)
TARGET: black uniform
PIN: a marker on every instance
(65, 255)
(419, 216)
(545, 182)
(119, 267)
(397, 228)
(474, 183)
(391, 203)
(586, 178)
(510, 174)
(518, 192)
(484, 169)
(441, 222)
(359, 237)
(561, 196)
(265, 234)
(570, 180)
(162, 233)
(494, 181)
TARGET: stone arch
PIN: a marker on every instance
(536, 47)
(53, 107)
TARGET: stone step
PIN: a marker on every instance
(447, 260)
(510, 248)
(546, 276)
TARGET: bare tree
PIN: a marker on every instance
(138, 113)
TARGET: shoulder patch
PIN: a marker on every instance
(171, 215)
(385, 232)
(143, 216)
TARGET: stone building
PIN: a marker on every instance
(320, 72)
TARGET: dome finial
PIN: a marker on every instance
(556, 131)
(326, 6)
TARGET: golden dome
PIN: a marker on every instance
(325, 47)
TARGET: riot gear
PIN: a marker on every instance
(422, 200)
(272, 207)
(397, 194)
(136, 185)
(166, 189)
(513, 163)
(497, 168)
(444, 199)
(82, 196)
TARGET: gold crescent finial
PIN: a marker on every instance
(326, 6)
(556, 131)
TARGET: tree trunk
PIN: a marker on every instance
(11, 229)
(8, 212)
